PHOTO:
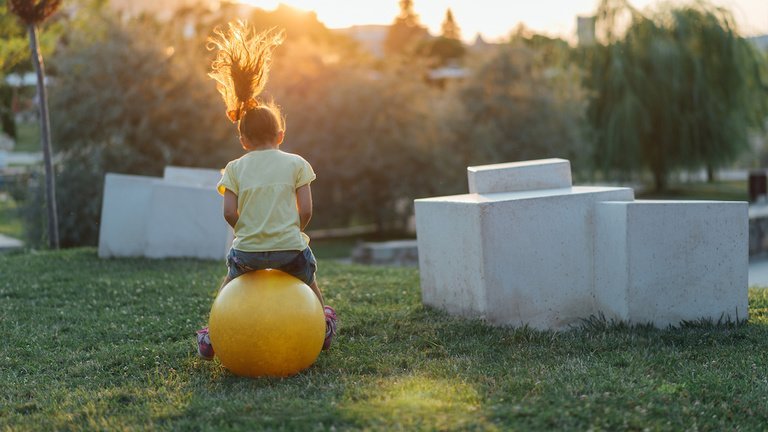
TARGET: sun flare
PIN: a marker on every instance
(492, 18)
(338, 14)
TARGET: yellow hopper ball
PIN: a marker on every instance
(267, 323)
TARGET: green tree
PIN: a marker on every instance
(368, 134)
(14, 49)
(406, 32)
(14, 42)
(515, 107)
(125, 102)
(442, 51)
(678, 90)
(449, 28)
(550, 52)
(447, 48)
(14, 58)
(33, 13)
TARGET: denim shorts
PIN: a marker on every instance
(300, 264)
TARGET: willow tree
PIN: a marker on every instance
(677, 90)
(32, 13)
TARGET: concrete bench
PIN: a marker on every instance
(667, 262)
(547, 254)
(173, 217)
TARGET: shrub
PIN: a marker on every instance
(123, 102)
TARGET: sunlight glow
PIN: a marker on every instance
(495, 19)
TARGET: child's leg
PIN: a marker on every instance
(331, 321)
(304, 267)
(315, 289)
(227, 279)
(204, 347)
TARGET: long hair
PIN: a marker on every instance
(241, 66)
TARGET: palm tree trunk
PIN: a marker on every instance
(50, 184)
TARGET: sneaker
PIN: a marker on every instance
(330, 326)
(204, 347)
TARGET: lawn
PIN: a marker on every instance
(92, 344)
(726, 190)
(28, 139)
(10, 222)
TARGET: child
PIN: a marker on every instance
(267, 194)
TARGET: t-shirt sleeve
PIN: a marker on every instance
(305, 174)
(228, 180)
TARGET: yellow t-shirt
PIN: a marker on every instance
(265, 182)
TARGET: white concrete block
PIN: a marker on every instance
(539, 256)
(186, 221)
(611, 299)
(451, 254)
(203, 177)
(664, 262)
(552, 255)
(520, 176)
(162, 218)
(517, 258)
(124, 211)
(9, 243)
(6, 142)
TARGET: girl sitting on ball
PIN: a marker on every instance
(267, 194)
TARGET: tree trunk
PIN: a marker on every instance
(7, 122)
(50, 183)
(659, 179)
(711, 176)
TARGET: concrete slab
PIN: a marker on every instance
(8, 244)
(203, 177)
(124, 211)
(186, 221)
(665, 262)
(514, 258)
(163, 218)
(547, 258)
(24, 158)
(520, 176)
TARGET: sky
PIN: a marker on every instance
(495, 18)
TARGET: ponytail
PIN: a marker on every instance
(241, 66)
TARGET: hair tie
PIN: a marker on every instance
(237, 114)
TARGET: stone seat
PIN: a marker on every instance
(177, 216)
(525, 247)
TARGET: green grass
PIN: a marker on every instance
(719, 191)
(28, 139)
(10, 222)
(333, 248)
(92, 344)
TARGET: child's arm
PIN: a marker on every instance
(230, 208)
(304, 203)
